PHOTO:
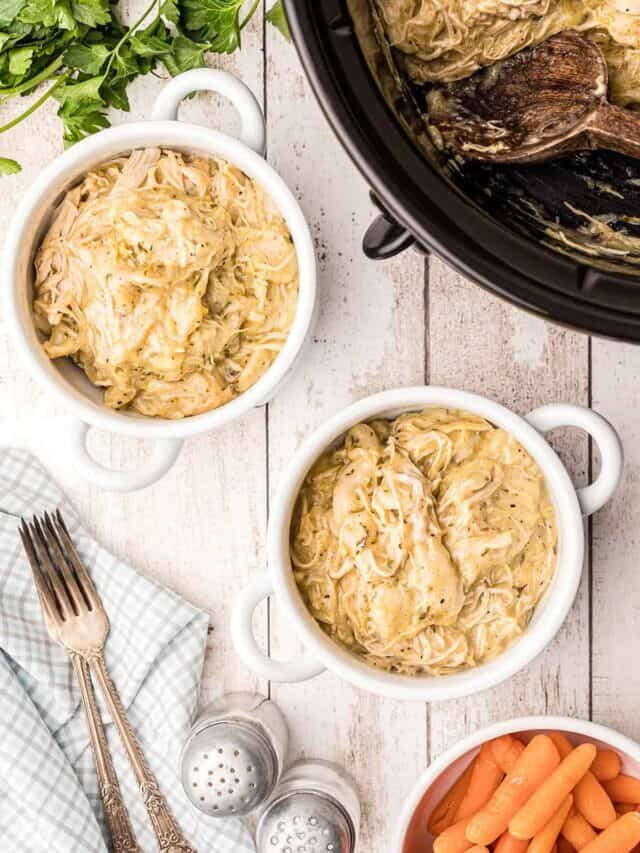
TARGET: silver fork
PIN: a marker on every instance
(115, 812)
(74, 610)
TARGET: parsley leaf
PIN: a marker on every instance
(82, 55)
(9, 166)
(9, 10)
(85, 90)
(278, 17)
(81, 109)
(215, 21)
(114, 93)
(80, 119)
(91, 12)
(153, 42)
(48, 13)
(171, 11)
(20, 59)
(88, 58)
(126, 64)
(185, 54)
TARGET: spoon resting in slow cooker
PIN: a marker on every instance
(541, 103)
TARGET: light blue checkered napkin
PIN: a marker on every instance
(49, 797)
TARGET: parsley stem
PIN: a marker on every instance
(249, 14)
(35, 105)
(130, 32)
(32, 82)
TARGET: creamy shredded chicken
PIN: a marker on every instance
(424, 544)
(171, 279)
(446, 40)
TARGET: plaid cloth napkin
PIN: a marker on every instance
(49, 795)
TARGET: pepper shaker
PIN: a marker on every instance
(314, 809)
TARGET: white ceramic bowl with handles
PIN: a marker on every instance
(61, 377)
(570, 504)
(412, 835)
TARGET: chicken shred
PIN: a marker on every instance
(170, 279)
(425, 543)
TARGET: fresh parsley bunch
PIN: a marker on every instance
(86, 57)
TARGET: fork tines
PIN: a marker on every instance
(63, 583)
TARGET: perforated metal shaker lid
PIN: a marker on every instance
(314, 809)
(233, 758)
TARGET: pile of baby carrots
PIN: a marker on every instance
(545, 797)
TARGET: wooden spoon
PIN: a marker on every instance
(541, 103)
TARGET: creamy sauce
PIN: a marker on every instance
(171, 280)
(424, 544)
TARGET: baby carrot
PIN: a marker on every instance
(453, 839)
(607, 765)
(509, 844)
(506, 751)
(564, 846)
(623, 808)
(478, 849)
(591, 800)
(623, 789)
(593, 803)
(444, 813)
(577, 831)
(561, 743)
(620, 837)
(545, 802)
(539, 759)
(544, 840)
(486, 775)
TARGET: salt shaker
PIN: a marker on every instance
(234, 756)
(314, 809)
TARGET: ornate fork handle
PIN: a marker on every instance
(169, 836)
(115, 812)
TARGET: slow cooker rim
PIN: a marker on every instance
(445, 238)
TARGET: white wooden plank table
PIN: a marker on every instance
(201, 530)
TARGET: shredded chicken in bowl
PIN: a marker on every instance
(170, 279)
(424, 544)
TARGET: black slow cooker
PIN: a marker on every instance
(489, 243)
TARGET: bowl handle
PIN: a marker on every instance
(165, 453)
(595, 496)
(252, 133)
(301, 668)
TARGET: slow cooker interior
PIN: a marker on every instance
(585, 206)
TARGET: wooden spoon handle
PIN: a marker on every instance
(616, 129)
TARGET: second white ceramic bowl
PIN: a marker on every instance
(570, 504)
(61, 377)
(412, 835)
